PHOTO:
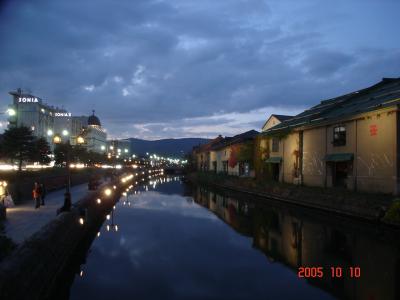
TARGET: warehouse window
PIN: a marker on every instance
(275, 144)
(339, 135)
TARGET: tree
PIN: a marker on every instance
(79, 154)
(232, 162)
(60, 153)
(42, 151)
(246, 153)
(18, 145)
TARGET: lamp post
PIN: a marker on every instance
(58, 140)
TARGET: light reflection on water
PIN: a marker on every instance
(162, 243)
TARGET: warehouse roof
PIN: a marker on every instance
(385, 93)
(237, 139)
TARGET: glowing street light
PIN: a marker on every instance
(57, 139)
(80, 140)
(108, 192)
(65, 132)
(50, 132)
(11, 112)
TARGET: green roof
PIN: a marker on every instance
(274, 160)
(339, 157)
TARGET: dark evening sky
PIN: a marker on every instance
(180, 68)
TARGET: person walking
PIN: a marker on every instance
(36, 195)
(42, 192)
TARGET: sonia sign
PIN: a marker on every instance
(62, 114)
(28, 100)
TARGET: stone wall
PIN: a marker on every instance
(341, 201)
(34, 268)
(52, 182)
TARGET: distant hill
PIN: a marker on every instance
(165, 147)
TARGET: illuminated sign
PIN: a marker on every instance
(62, 114)
(28, 100)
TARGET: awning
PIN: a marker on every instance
(274, 160)
(339, 157)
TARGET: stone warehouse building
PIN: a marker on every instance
(225, 155)
(350, 141)
(274, 120)
(201, 154)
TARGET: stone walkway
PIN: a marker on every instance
(24, 220)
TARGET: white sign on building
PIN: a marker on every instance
(62, 114)
(28, 100)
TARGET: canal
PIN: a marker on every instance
(171, 240)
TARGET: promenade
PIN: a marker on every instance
(24, 220)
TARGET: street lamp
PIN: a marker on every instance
(67, 196)
(80, 140)
(57, 139)
(50, 132)
(11, 112)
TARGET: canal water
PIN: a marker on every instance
(171, 240)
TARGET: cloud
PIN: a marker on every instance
(227, 124)
(89, 88)
(325, 63)
(154, 61)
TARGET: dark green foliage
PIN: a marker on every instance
(191, 162)
(245, 153)
(95, 158)
(18, 145)
(393, 213)
(77, 154)
(60, 153)
(42, 151)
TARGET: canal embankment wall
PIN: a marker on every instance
(20, 185)
(33, 269)
(364, 206)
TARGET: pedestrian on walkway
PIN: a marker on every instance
(42, 192)
(36, 195)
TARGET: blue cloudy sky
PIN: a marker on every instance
(180, 68)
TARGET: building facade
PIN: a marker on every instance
(274, 120)
(349, 141)
(32, 112)
(95, 136)
(201, 154)
(234, 155)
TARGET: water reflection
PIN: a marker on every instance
(174, 243)
(299, 237)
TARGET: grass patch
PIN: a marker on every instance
(393, 213)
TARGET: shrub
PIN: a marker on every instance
(393, 213)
